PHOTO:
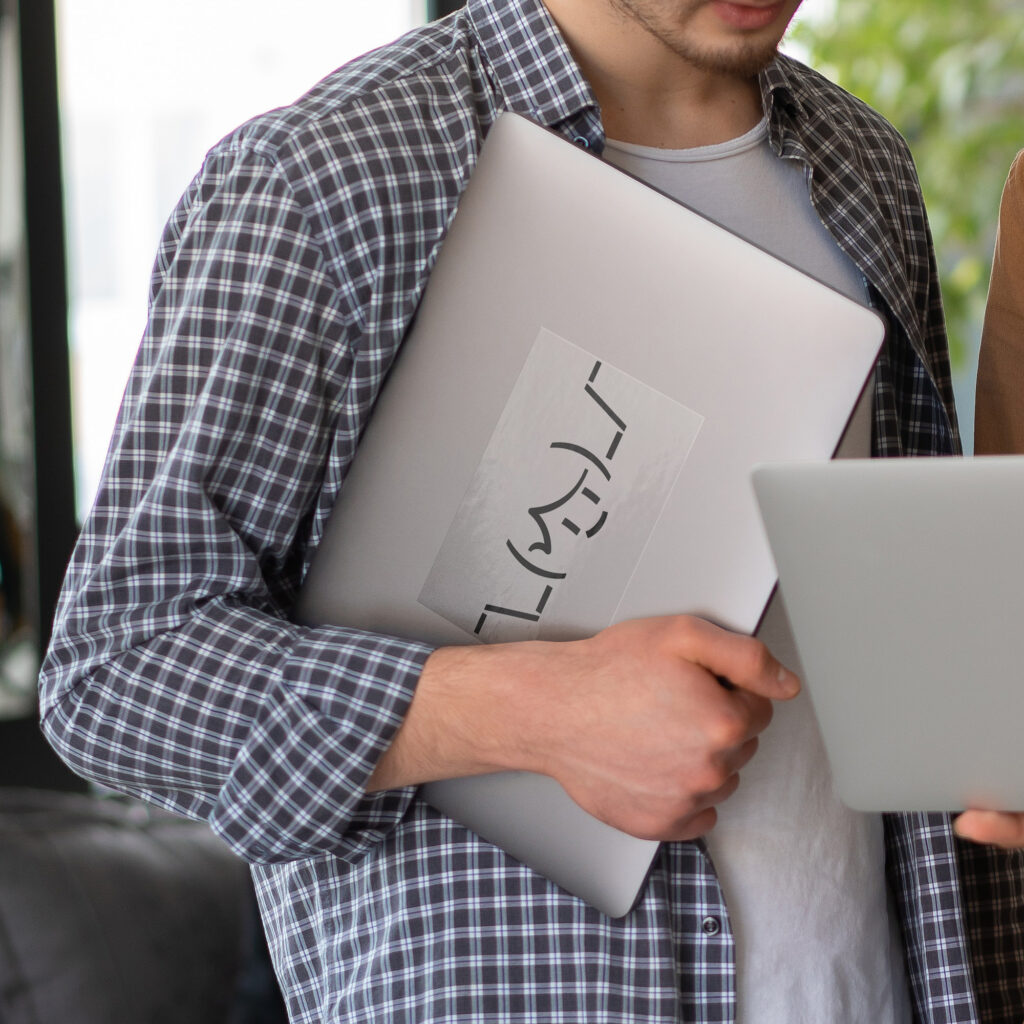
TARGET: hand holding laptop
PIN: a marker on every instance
(633, 721)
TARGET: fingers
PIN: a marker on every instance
(742, 660)
(700, 815)
(658, 740)
(698, 825)
(698, 820)
(750, 716)
(744, 754)
(995, 827)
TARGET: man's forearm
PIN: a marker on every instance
(633, 722)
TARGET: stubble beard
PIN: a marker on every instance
(742, 60)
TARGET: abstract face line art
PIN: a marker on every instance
(540, 513)
(569, 487)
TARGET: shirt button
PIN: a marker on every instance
(710, 926)
(582, 141)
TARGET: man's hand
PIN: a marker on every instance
(999, 828)
(634, 722)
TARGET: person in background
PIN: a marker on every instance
(284, 284)
(999, 395)
(999, 411)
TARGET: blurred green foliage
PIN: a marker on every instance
(950, 77)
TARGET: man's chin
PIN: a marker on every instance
(745, 62)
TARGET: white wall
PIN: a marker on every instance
(146, 89)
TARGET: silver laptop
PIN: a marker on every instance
(904, 584)
(566, 441)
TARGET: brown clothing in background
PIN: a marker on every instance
(999, 405)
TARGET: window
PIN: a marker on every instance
(146, 89)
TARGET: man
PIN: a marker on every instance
(284, 284)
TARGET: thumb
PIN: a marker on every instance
(1001, 829)
(743, 662)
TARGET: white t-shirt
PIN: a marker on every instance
(803, 876)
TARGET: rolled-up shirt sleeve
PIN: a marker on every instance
(174, 672)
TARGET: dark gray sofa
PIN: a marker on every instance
(115, 913)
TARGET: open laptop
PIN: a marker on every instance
(904, 584)
(565, 441)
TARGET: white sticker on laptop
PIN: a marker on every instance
(557, 515)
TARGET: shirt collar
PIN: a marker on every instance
(536, 75)
(778, 90)
(785, 105)
(533, 70)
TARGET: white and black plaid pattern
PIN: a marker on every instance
(284, 284)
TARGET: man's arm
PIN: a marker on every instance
(174, 673)
(633, 722)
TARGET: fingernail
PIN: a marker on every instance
(790, 683)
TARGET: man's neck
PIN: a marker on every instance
(648, 94)
(685, 121)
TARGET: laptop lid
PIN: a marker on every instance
(565, 441)
(904, 586)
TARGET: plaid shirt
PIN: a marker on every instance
(284, 284)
